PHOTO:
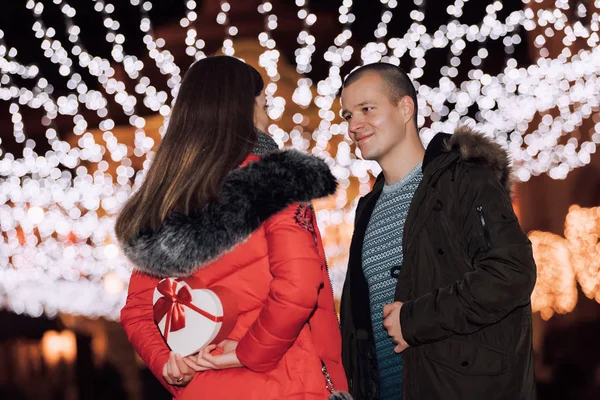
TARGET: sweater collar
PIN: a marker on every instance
(264, 144)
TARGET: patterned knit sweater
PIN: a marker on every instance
(382, 251)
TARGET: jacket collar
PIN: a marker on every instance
(466, 145)
(470, 147)
(250, 195)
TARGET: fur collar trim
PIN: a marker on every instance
(250, 195)
(472, 147)
(475, 148)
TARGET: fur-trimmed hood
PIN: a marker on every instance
(473, 148)
(250, 195)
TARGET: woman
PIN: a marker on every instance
(221, 205)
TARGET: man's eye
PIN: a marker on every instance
(365, 109)
(347, 117)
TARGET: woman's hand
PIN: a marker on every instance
(221, 356)
(176, 370)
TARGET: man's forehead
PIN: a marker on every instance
(363, 89)
(368, 80)
(358, 99)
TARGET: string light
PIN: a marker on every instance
(56, 225)
(269, 59)
(194, 46)
(230, 30)
(92, 99)
(375, 51)
(335, 215)
(305, 39)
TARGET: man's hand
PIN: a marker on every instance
(176, 370)
(391, 322)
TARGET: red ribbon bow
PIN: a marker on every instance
(171, 304)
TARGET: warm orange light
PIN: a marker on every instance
(59, 346)
(555, 289)
(582, 229)
(69, 346)
(564, 262)
(51, 347)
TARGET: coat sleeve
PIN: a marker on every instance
(296, 267)
(138, 322)
(503, 274)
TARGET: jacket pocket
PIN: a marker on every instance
(467, 358)
(487, 235)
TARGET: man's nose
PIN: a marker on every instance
(355, 125)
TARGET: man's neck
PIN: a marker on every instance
(402, 160)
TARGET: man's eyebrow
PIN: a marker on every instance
(362, 103)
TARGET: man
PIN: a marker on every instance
(438, 239)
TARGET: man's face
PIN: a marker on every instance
(376, 125)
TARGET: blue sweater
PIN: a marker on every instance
(382, 250)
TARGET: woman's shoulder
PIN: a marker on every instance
(250, 196)
(297, 176)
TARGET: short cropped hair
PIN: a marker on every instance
(395, 79)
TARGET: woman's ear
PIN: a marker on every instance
(261, 119)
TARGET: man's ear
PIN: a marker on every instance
(406, 107)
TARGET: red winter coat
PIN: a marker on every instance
(261, 241)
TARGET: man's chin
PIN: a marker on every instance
(368, 156)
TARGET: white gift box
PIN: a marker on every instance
(190, 317)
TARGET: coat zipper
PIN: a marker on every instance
(328, 383)
(485, 226)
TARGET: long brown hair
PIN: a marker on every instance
(210, 132)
